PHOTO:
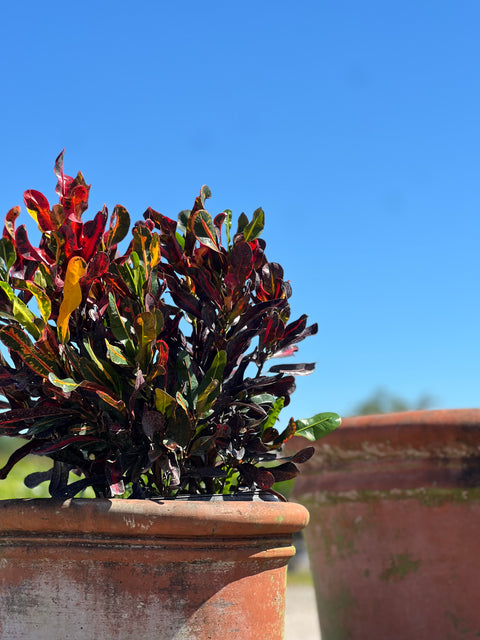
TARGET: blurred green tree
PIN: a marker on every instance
(383, 401)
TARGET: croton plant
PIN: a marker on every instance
(143, 370)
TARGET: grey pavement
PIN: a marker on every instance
(301, 620)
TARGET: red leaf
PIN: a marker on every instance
(97, 267)
(25, 249)
(64, 182)
(93, 234)
(217, 223)
(37, 202)
(73, 192)
(162, 349)
(273, 330)
(71, 230)
(9, 229)
(241, 261)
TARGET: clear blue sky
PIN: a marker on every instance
(355, 125)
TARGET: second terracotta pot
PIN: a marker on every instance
(394, 537)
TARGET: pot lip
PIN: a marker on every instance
(446, 418)
(149, 518)
(405, 438)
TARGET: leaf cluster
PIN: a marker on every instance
(144, 370)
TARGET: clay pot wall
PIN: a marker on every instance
(124, 569)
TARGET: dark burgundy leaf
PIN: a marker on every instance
(284, 472)
(241, 261)
(301, 456)
(34, 479)
(167, 225)
(278, 386)
(59, 479)
(269, 434)
(17, 455)
(218, 222)
(298, 337)
(294, 369)
(252, 475)
(16, 415)
(274, 329)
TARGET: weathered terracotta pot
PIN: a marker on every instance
(124, 569)
(394, 539)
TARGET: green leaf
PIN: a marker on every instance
(119, 328)
(119, 405)
(186, 377)
(201, 224)
(15, 339)
(164, 402)
(116, 355)
(181, 402)
(179, 426)
(202, 445)
(147, 327)
(205, 193)
(88, 370)
(119, 225)
(42, 299)
(254, 229)
(211, 384)
(242, 222)
(206, 399)
(138, 273)
(318, 426)
(263, 398)
(67, 385)
(21, 312)
(43, 278)
(273, 414)
(228, 224)
(182, 221)
(101, 366)
(7, 253)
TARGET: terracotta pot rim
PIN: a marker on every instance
(442, 433)
(444, 418)
(133, 518)
(398, 451)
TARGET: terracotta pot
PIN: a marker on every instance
(394, 538)
(125, 569)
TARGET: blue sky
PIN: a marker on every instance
(354, 125)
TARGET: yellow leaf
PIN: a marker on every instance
(34, 215)
(72, 295)
(154, 250)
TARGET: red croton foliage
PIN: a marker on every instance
(143, 369)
